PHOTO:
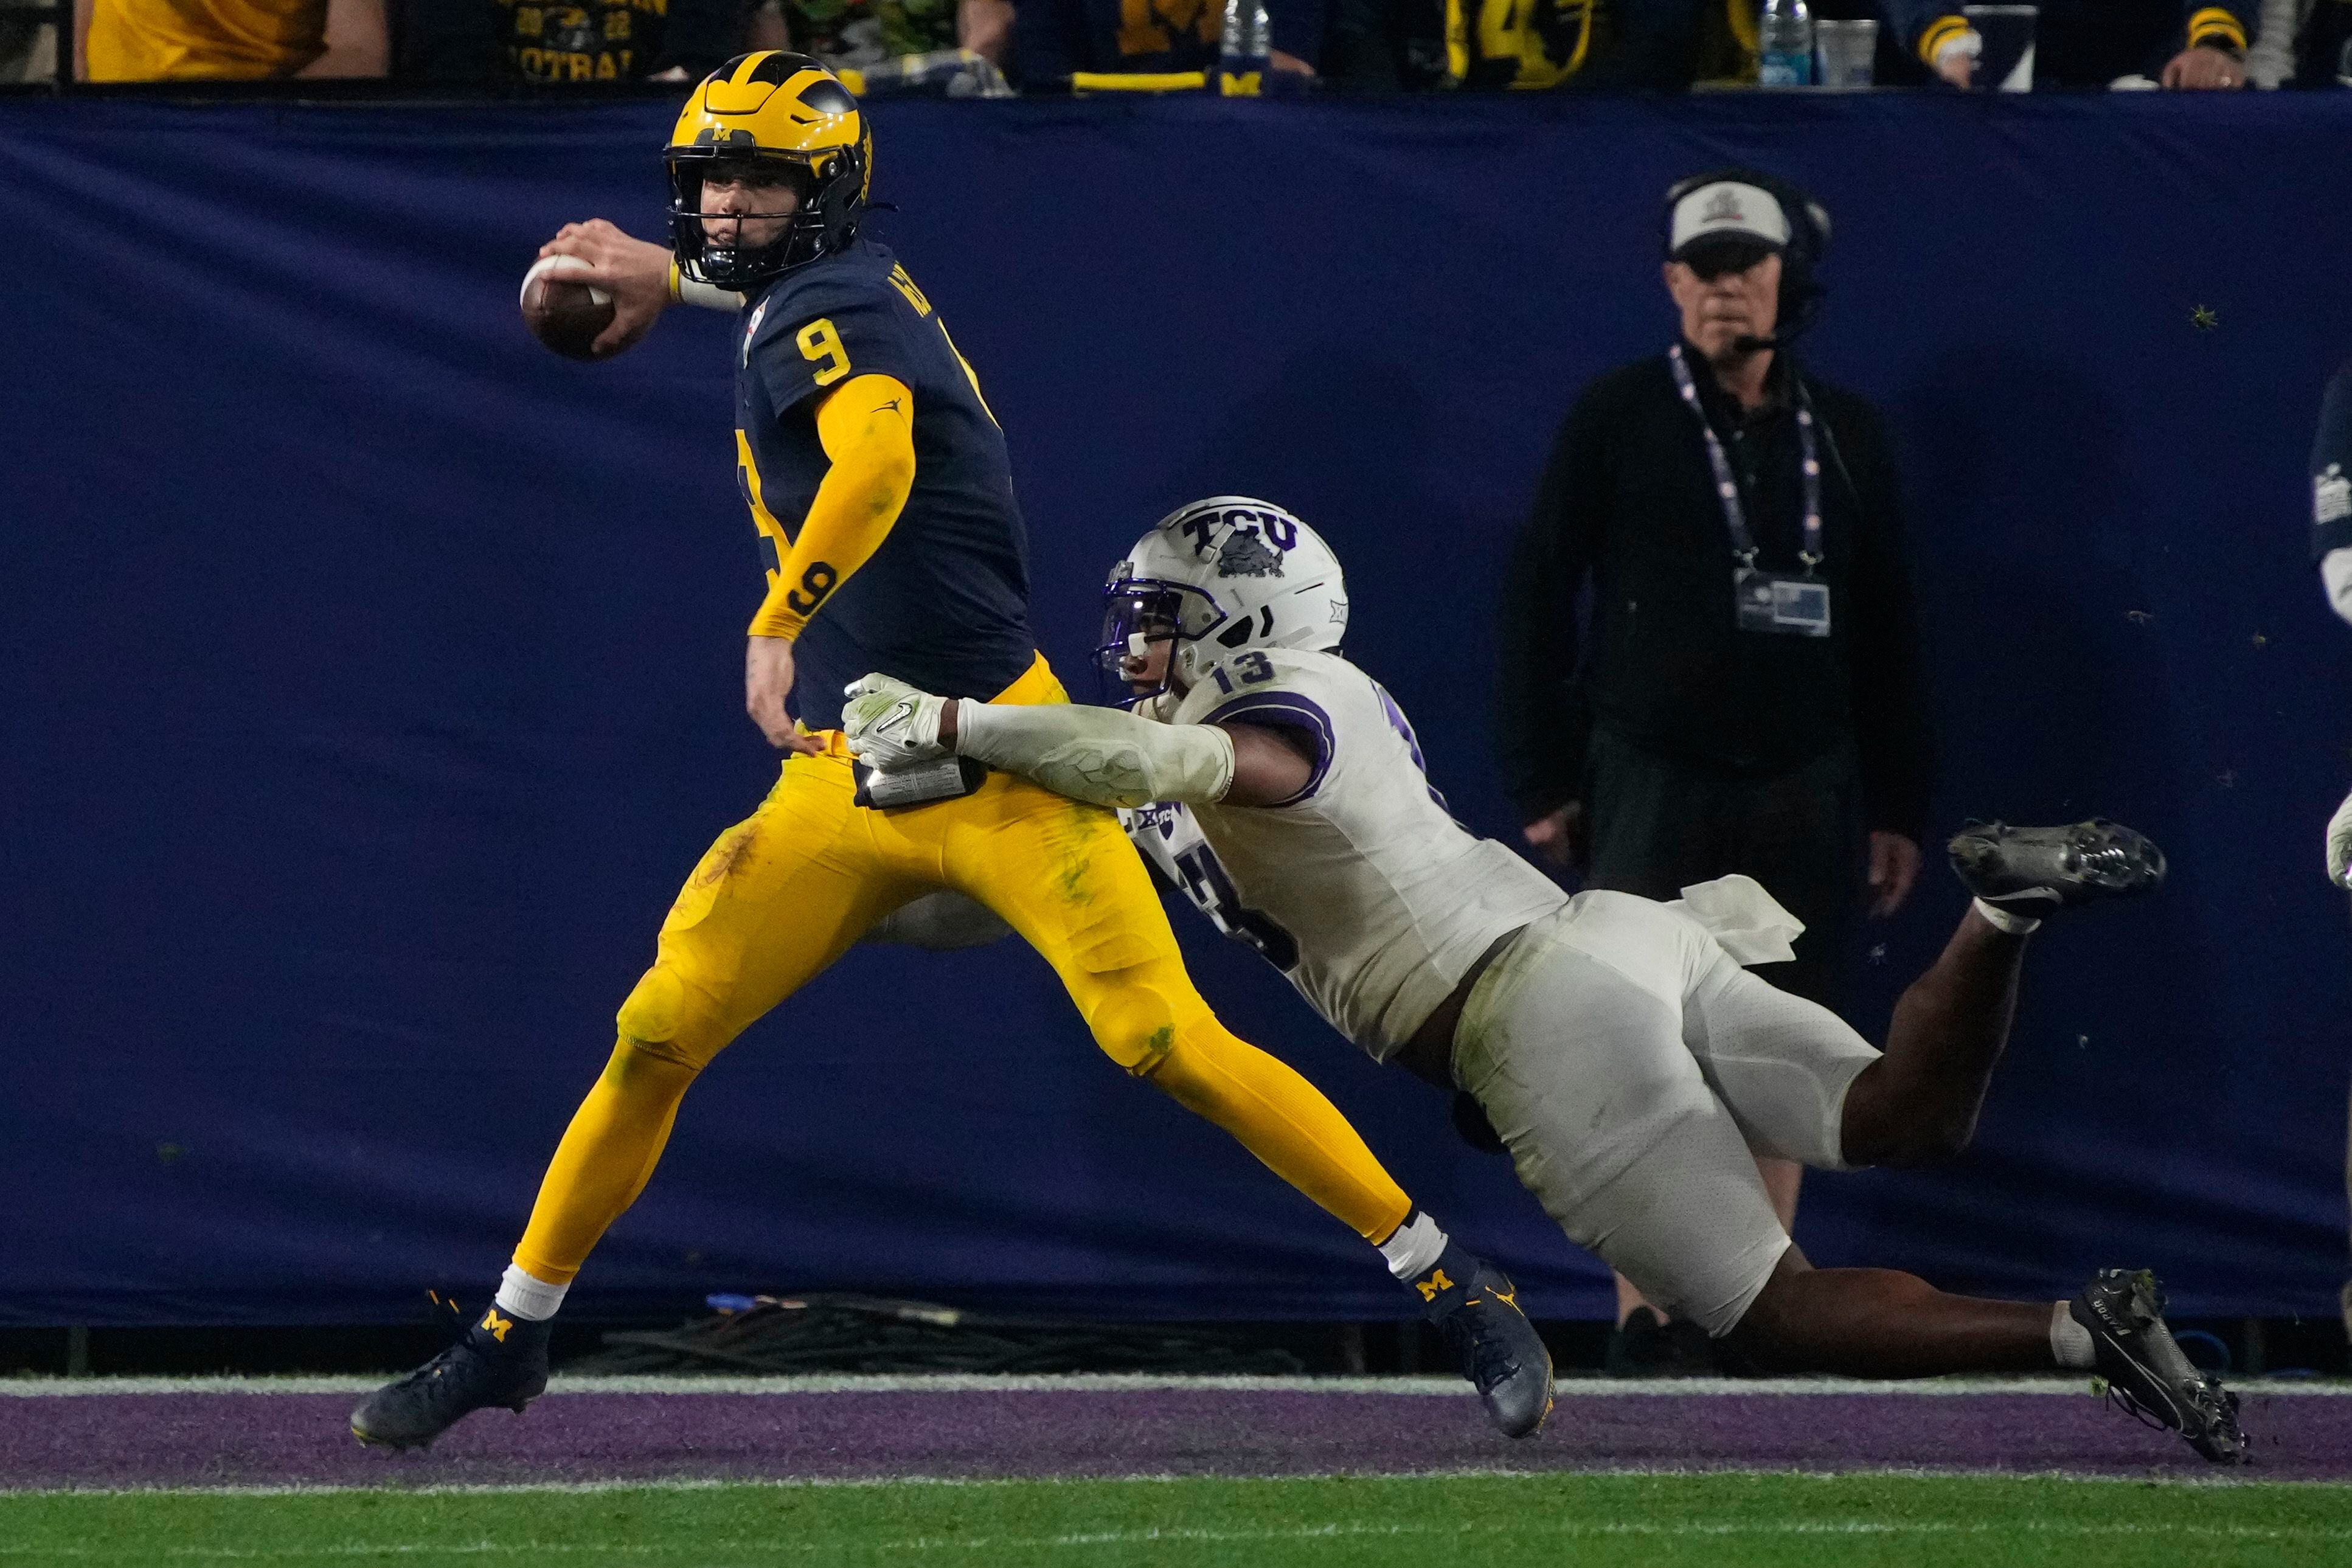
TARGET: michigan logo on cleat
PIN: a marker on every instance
(1430, 1287)
(497, 1325)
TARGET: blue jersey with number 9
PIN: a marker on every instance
(944, 602)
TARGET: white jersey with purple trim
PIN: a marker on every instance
(1362, 888)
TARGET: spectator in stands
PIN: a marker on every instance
(476, 44)
(1589, 45)
(1055, 39)
(2193, 45)
(195, 40)
(619, 40)
(1745, 697)
(859, 35)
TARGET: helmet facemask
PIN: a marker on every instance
(812, 230)
(1140, 613)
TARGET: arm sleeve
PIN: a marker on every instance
(1541, 727)
(1099, 754)
(708, 296)
(1921, 26)
(1890, 705)
(868, 427)
(2331, 469)
(2222, 25)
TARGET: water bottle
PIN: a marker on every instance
(1785, 39)
(1241, 50)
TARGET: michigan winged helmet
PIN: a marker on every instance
(776, 113)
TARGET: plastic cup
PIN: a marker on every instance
(1849, 52)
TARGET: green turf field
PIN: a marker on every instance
(1720, 1520)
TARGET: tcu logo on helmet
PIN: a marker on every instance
(1219, 576)
(1253, 542)
(1247, 555)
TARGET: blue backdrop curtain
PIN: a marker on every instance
(371, 676)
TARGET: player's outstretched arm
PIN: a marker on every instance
(1097, 754)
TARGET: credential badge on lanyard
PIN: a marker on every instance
(1789, 603)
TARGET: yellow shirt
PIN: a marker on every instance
(1524, 44)
(167, 40)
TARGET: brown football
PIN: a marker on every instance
(564, 316)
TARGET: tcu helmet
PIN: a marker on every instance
(774, 111)
(1217, 576)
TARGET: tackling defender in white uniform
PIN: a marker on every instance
(1618, 1047)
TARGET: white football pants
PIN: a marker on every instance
(1635, 1070)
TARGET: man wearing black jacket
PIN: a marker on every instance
(1744, 694)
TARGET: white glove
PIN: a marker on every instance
(890, 724)
(2339, 845)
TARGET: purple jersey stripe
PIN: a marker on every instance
(1290, 711)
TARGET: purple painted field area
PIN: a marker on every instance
(211, 1438)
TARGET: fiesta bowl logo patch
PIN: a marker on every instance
(751, 328)
(1246, 555)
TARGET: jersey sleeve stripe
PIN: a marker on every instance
(1290, 711)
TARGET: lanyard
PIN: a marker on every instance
(1726, 489)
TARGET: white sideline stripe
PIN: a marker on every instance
(1567, 1528)
(2234, 1480)
(1121, 1383)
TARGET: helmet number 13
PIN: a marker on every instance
(1252, 667)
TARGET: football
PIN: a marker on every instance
(565, 315)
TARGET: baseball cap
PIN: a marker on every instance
(1727, 220)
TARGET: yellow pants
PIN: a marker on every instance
(780, 896)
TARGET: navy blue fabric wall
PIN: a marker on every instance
(371, 677)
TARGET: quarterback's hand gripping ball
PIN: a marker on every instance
(889, 724)
(566, 315)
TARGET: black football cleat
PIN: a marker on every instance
(2038, 871)
(500, 1361)
(1477, 1311)
(2145, 1370)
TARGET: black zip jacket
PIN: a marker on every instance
(1628, 504)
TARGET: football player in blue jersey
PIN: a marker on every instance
(880, 487)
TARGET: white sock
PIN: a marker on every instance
(2070, 1342)
(1414, 1246)
(2010, 920)
(524, 1296)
